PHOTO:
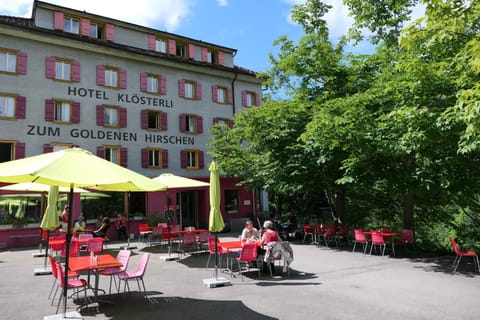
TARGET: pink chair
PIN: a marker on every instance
(53, 266)
(74, 248)
(342, 233)
(95, 245)
(330, 234)
(220, 251)
(123, 256)
(360, 238)
(378, 241)
(308, 231)
(189, 241)
(136, 275)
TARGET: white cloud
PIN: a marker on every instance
(151, 13)
(222, 3)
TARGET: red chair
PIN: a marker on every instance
(144, 232)
(406, 238)
(53, 266)
(330, 234)
(378, 241)
(360, 238)
(342, 233)
(189, 241)
(247, 255)
(459, 254)
(71, 283)
(74, 249)
(220, 251)
(95, 245)
(308, 231)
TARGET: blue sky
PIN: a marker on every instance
(250, 26)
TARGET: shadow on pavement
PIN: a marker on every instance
(135, 306)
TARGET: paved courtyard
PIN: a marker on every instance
(325, 283)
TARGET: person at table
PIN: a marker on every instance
(269, 237)
(121, 226)
(79, 224)
(64, 218)
(102, 230)
(249, 233)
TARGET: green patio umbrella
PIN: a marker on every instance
(215, 220)
(73, 168)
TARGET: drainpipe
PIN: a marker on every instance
(233, 92)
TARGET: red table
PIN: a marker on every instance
(82, 263)
(386, 235)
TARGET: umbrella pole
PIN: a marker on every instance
(46, 250)
(216, 256)
(67, 249)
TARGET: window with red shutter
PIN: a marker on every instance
(19, 150)
(144, 157)
(58, 20)
(100, 115)
(75, 112)
(123, 117)
(50, 67)
(110, 32)
(101, 75)
(75, 71)
(49, 109)
(124, 157)
(164, 159)
(20, 108)
(22, 62)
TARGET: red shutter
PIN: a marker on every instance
(123, 117)
(50, 67)
(143, 81)
(164, 121)
(214, 94)
(58, 20)
(200, 160)
(144, 157)
(183, 158)
(101, 152)
(257, 99)
(204, 54)
(123, 79)
(85, 27)
(100, 115)
(229, 95)
(164, 159)
(221, 58)
(144, 118)
(110, 33)
(151, 42)
(198, 91)
(191, 51)
(244, 98)
(20, 107)
(172, 47)
(75, 112)
(75, 71)
(163, 85)
(21, 62)
(183, 122)
(124, 157)
(47, 148)
(49, 109)
(19, 150)
(181, 88)
(101, 75)
(199, 124)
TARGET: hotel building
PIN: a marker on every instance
(134, 95)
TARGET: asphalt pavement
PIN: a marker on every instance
(324, 283)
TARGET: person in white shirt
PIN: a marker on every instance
(249, 233)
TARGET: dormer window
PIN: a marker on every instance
(71, 25)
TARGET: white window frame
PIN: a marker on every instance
(222, 95)
(71, 25)
(249, 99)
(155, 158)
(63, 70)
(156, 116)
(189, 89)
(191, 123)
(161, 45)
(112, 154)
(111, 116)
(153, 84)
(111, 77)
(8, 61)
(192, 159)
(7, 106)
(62, 111)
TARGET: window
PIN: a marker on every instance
(231, 201)
(190, 89)
(7, 106)
(112, 154)
(111, 116)
(154, 158)
(250, 98)
(12, 61)
(62, 69)
(211, 57)
(181, 50)
(11, 150)
(190, 123)
(153, 83)
(71, 25)
(154, 120)
(161, 45)
(62, 111)
(111, 77)
(52, 147)
(222, 94)
(115, 154)
(97, 31)
(223, 123)
(192, 159)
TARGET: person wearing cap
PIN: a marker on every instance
(249, 233)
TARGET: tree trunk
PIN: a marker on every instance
(336, 200)
(408, 211)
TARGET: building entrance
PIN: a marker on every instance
(187, 208)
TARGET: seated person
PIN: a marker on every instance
(102, 230)
(269, 236)
(79, 224)
(121, 226)
(249, 233)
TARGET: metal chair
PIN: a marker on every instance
(459, 254)
(248, 254)
(123, 256)
(136, 275)
(360, 238)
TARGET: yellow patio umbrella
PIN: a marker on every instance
(73, 168)
(49, 223)
(177, 182)
(38, 187)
